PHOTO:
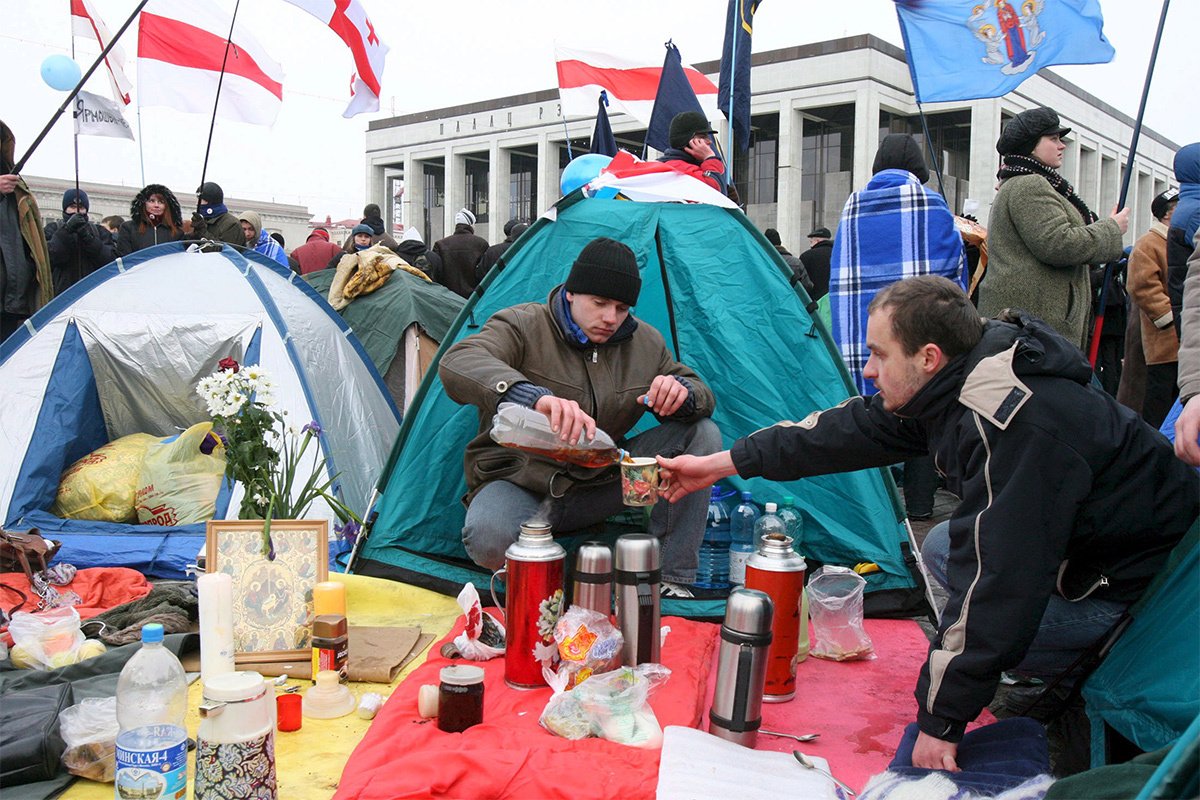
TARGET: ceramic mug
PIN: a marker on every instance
(640, 481)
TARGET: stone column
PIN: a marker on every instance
(498, 190)
(985, 130)
(377, 186)
(547, 172)
(413, 205)
(456, 186)
(788, 176)
(866, 135)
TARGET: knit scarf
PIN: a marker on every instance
(212, 210)
(1028, 165)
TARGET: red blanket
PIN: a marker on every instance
(510, 755)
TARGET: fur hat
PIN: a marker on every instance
(606, 268)
(685, 125)
(254, 219)
(75, 197)
(211, 193)
(1023, 131)
(464, 217)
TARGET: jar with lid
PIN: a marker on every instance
(237, 733)
(460, 698)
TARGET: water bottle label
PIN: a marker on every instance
(737, 566)
(152, 773)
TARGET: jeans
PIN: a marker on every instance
(1066, 630)
(496, 512)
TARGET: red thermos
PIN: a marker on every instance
(778, 571)
(533, 569)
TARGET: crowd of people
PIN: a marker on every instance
(1069, 502)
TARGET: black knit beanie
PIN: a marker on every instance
(606, 268)
(211, 193)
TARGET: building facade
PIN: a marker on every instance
(818, 114)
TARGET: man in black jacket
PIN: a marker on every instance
(816, 260)
(78, 247)
(460, 252)
(1070, 502)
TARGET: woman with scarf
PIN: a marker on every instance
(154, 218)
(1042, 237)
(259, 240)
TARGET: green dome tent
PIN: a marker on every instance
(721, 296)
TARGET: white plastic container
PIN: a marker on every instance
(236, 735)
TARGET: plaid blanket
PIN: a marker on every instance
(894, 228)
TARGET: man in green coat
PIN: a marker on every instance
(212, 219)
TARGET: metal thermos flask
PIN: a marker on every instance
(778, 570)
(736, 712)
(637, 577)
(593, 577)
(533, 569)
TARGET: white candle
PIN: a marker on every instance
(216, 624)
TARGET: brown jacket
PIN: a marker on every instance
(1148, 289)
(526, 343)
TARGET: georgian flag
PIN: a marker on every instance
(86, 23)
(631, 84)
(349, 20)
(181, 48)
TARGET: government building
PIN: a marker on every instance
(818, 114)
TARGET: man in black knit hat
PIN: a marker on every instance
(212, 219)
(691, 151)
(582, 359)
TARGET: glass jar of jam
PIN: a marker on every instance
(460, 698)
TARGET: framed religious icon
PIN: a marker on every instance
(272, 583)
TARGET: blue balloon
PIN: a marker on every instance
(582, 170)
(60, 72)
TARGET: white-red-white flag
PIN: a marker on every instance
(85, 22)
(349, 20)
(631, 83)
(181, 50)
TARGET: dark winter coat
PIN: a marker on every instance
(222, 228)
(799, 273)
(77, 249)
(460, 252)
(816, 263)
(493, 253)
(419, 256)
(1044, 463)
(138, 233)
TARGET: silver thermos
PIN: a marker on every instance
(736, 712)
(593, 577)
(637, 579)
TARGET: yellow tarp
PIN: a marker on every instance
(309, 762)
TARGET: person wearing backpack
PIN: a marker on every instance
(413, 250)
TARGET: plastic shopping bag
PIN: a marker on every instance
(835, 604)
(101, 485)
(178, 484)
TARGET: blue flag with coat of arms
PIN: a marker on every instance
(968, 49)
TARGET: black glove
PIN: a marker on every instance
(199, 225)
(75, 222)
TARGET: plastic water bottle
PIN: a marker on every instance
(151, 705)
(741, 538)
(768, 523)
(713, 572)
(793, 523)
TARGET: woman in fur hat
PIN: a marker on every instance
(154, 218)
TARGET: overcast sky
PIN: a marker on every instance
(447, 53)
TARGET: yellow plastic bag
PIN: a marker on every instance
(100, 486)
(179, 483)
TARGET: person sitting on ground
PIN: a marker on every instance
(460, 252)
(413, 250)
(77, 246)
(1070, 505)
(258, 240)
(582, 359)
(816, 260)
(154, 218)
(112, 224)
(212, 220)
(691, 151)
(316, 253)
(799, 273)
(1042, 237)
(512, 231)
(373, 219)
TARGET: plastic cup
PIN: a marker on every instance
(289, 707)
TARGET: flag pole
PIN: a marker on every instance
(75, 127)
(217, 100)
(99, 60)
(736, 6)
(937, 168)
(1094, 349)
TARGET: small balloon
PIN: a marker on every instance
(582, 170)
(60, 72)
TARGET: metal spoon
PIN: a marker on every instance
(807, 763)
(807, 737)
